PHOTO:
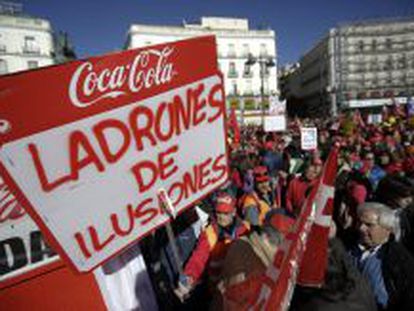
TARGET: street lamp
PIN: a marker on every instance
(264, 62)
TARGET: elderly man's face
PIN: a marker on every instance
(372, 234)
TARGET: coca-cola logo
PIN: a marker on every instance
(149, 68)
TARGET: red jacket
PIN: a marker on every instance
(211, 250)
(296, 193)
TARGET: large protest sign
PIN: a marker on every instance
(90, 144)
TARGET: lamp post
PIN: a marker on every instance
(264, 62)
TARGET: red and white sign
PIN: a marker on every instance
(91, 143)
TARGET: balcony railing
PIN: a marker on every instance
(233, 74)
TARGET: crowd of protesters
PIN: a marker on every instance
(371, 247)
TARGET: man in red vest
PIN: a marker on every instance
(212, 246)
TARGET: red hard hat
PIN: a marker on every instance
(225, 204)
(260, 174)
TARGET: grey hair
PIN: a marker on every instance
(387, 218)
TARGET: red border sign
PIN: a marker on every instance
(91, 143)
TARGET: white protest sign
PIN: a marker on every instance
(90, 165)
(374, 118)
(275, 123)
(309, 138)
(276, 120)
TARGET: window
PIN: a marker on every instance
(374, 45)
(219, 50)
(263, 50)
(2, 45)
(234, 87)
(374, 81)
(402, 62)
(232, 70)
(388, 63)
(388, 80)
(374, 64)
(32, 64)
(3, 67)
(247, 72)
(266, 70)
(246, 50)
(30, 45)
(361, 67)
(388, 44)
(232, 51)
(360, 45)
(249, 89)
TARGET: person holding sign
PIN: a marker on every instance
(212, 246)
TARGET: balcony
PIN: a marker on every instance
(232, 74)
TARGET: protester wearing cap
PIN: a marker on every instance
(272, 158)
(212, 246)
(257, 203)
(248, 258)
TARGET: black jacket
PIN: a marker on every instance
(398, 273)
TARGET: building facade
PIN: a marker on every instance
(359, 65)
(28, 42)
(235, 42)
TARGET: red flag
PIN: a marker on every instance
(314, 261)
(234, 125)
